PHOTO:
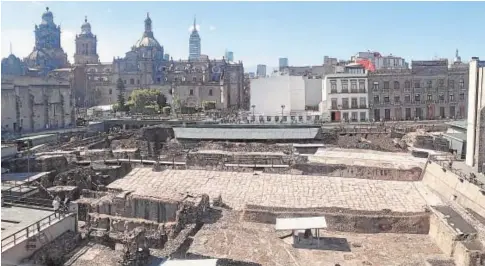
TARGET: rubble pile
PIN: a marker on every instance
(57, 251)
(81, 177)
(378, 142)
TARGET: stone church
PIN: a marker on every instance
(192, 81)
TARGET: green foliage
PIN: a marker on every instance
(120, 86)
(147, 101)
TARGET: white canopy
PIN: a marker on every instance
(300, 223)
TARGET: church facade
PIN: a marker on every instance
(146, 65)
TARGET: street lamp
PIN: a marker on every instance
(282, 108)
(254, 117)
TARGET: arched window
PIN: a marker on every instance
(396, 85)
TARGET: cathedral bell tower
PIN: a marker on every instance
(86, 46)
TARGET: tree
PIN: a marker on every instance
(120, 86)
(161, 101)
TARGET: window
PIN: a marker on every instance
(362, 85)
(407, 84)
(429, 84)
(132, 81)
(158, 80)
(353, 103)
(441, 83)
(442, 97)
(334, 104)
(451, 84)
(345, 103)
(276, 118)
(452, 98)
(191, 92)
(430, 97)
(345, 86)
(386, 85)
(417, 84)
(300, 118)
(386, 99)
(375, 86)
(462, 96)
(110, 91)
(408, 113)
(376, 99)
(355, 116)
(417, 98)
(362, 116)
(268, 118)
(138, 81)
(333, 86)
(353, 85)
(397, 99)
(396, 85)
(194, 79)
(442, 112)
(210, 92)
(285, 118)
(124, 81)
(362, 102)
(345, 116)
(452, 111)
(462, 84)
(407, 98)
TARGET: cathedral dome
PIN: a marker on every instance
(86, 27)
(47, 17)
(147, 41)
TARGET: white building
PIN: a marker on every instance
(344, 95)
(475, 151)
(283, 98)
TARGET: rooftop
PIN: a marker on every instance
(15, 218)
(239, 189)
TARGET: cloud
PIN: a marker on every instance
(212, 28)
(191, 28)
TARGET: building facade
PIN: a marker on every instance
(36, 103)
(261, 71)
(475, 154)
(344, 95)
(381, 62)
(283, 63)
(430, 90)
(86, 46)
(194, 43)
(229, 56)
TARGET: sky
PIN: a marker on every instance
(261, 32)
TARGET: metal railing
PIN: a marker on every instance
(472, 178)
(30, 230)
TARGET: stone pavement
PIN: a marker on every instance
(292, 191)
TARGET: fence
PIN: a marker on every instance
(29, 231)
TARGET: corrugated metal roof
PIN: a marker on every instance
(245, 133)
(300, 223)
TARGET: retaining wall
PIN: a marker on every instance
(346, 220)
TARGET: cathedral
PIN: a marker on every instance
(192, 82)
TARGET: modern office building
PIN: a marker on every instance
(261, 71)
(283, 63)
(475, 154)
(229, 56)
(194, 43)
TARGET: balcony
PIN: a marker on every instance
(333, 92)
(334, 107)
(363, 106)
(354, 106)
(362, 91)
(345, 91)
(345, 106)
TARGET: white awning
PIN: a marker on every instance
(205, 262)
(300, 223)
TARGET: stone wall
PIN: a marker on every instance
(45, 163)
(364, 172)
(346, 220)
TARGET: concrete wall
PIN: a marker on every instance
(476, 101)
(14, 255)
(448, 185)
(313, 91)
(268, 94)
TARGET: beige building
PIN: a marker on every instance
(429, 90)
(36, 103)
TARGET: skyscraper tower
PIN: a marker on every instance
(86, 46)
(194, 43)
